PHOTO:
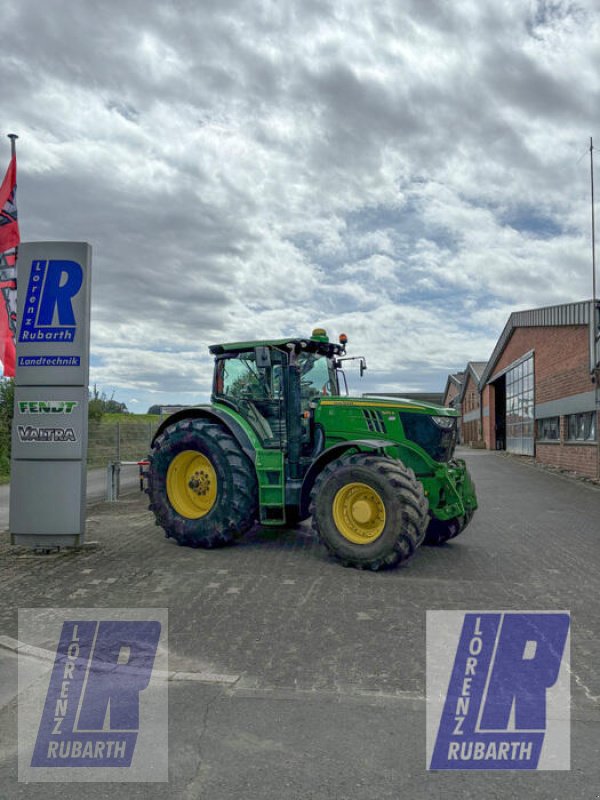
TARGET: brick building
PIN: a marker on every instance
(470, 404)
(453, 389)
(538, 396)
(452, 396)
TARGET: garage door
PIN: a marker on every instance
(519, 408)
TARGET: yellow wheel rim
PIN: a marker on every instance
(359, 513)
(191, 484)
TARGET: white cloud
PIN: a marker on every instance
(409, 173)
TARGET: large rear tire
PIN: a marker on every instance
(202, 487)
(370, 512)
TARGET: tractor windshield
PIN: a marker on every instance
(317, 377)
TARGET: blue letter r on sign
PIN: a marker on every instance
(119, 682)
(527, 663)
(63, 281)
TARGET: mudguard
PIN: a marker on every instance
(215, 414)
(329, 455)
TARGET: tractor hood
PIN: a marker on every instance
(431, 427)
(397, 403)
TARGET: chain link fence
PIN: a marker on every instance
(110, 442)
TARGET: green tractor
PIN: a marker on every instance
(281, 443)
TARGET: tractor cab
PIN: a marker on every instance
(275, 384)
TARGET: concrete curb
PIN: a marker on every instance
(21, 648)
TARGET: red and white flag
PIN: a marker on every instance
(9, 241)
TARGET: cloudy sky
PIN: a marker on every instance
(408, 172)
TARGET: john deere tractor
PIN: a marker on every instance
(280, 443)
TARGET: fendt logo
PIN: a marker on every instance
(48, 308)
(91, 716)
(47, 406)
(505, 675)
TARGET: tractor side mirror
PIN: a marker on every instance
(363, 366)
(263, 357)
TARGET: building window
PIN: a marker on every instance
(548, 429)
(519, 408)
(581, 427)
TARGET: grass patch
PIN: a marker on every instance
(129, 419)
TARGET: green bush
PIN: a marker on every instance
(95, 409)
(7, 399)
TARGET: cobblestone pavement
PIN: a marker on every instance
(330, 698)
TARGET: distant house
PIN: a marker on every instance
(452, 396)
(166, 411)
(453, 388)
(470, 403)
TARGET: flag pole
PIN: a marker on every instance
(13, 147)
(593, 222)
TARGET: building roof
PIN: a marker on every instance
(478, 367)
(547, 316)
(475, 369)
(455, 378)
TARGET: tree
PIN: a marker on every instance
(7, 402)
(95, 409)
(99, 404)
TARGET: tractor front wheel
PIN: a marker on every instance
(441, 531)
(369, 511)
(202, 487)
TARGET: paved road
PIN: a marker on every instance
(96, 489)
(330, 698)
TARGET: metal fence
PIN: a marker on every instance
(107, 443)
(118, 442)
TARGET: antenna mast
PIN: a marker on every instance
(593, 224)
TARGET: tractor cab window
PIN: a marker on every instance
(241, 379)
(255, 392)
(317, 377)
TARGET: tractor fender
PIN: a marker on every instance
(329, 455)
(215, 415)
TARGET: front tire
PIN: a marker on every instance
(202, 487)
(441, 531)
(370, 512)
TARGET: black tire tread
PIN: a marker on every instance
(415, 513)
(228, 521)
(441, 531)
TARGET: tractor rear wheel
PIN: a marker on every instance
(369, 511)
(440, 531)
(202, 487)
